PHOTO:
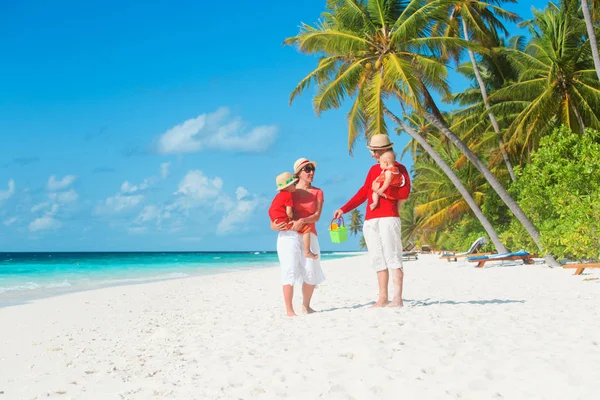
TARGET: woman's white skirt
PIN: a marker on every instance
(295, 268)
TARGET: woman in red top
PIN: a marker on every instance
(381, 228)
(308, 204)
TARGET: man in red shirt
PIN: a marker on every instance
(382, 225)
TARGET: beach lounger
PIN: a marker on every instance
(410, 254)
(425, 249)
(409, 247)
(475, 247)
(517, 255)
(579, 268)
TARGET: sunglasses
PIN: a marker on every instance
(308, 168)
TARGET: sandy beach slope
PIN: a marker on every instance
(504, 332)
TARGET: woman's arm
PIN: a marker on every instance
(315, 217)
(278, 226)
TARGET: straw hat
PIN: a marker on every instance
(380, 142)
(301, 163)
(284, 180)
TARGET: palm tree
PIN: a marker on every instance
(373, 49)
(467, 121)
(355, 227)
(557, 83)
(480, 23)
(440, 203)
(356, 222)
(589, 24)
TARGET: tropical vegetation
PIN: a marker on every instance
(490, 165)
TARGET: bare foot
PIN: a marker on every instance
(372, 206)
(307, 310)
(396, 303)
(309, 254)
(380, 303)
(291, 313)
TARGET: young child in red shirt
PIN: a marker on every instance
(390, 176)
(282, 209)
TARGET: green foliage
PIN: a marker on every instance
(560, 191)
(461, 235)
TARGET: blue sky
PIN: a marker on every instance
(160, 126)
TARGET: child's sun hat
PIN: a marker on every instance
(284, 180)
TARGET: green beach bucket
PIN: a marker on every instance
(338, 231)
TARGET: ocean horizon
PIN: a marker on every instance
(26, 276)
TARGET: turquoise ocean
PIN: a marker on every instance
(28, 276)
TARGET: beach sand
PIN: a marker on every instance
(502, 332)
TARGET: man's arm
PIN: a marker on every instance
(386, 183)
(356, 200)
(402, 192)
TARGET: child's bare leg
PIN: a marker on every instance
(307, 252)
(375, 201)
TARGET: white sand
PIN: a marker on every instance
(511, 332)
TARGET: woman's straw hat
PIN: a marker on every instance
(380, 142)
(301, 163)
(284, 180)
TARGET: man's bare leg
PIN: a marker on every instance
(306, 242)
(288, 295)
(383, 277)
(307, 292)
(397, 281)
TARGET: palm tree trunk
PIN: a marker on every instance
(592, 36)
(455, 180)
(578, 116)
(484, 95)
(494, 183)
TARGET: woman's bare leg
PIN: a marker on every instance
(288, 295)
(307, 292)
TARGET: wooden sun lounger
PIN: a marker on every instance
(455, 257)
(527, 259)
(580, 267)
(410, 254)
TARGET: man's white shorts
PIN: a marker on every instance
(384, 242)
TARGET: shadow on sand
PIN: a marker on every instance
(348, 308)
(428, 302)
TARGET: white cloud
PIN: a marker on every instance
(197, 186)
(218, 130)
(69, 196)
(127, 187)
(39, 207)
(10, 221)
(46, 222)
(119, 202)
(55, 185)
(148, 213)
(6, 194)
(237, 216)
(164, 169)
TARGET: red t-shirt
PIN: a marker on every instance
(387, 207)
(305, 203)
(282, 200)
